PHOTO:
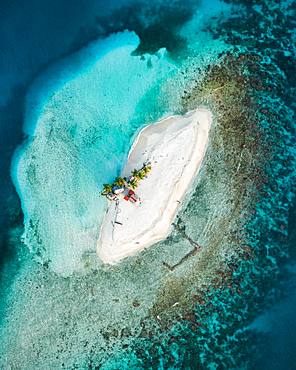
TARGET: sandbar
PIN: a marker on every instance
(175, 146)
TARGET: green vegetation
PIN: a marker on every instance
(135, 173)
(107, 188)
(133, 183)
(141, 174)
(147, 168)
(119, 181)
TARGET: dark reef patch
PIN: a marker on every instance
(35, 34)
(226, 90)
(157, 24)
(251, 93)
(250, 166)
(248, 171)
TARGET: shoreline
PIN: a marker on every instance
(176, 146)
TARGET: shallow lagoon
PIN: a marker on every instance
(80, 140)
(108, 316)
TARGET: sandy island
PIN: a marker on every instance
(175, 146)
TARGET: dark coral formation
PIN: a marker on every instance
(157, 24)
(203, 309)
(251, 95)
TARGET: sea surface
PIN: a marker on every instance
(79, 80)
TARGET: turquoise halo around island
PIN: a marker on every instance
(81, 117)
(80, 130)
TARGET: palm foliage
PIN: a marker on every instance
(135, 173)
(133, 183)
(107, 188)
(147, 168)
(119, 181)
(141, 174)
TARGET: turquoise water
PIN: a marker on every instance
(61, 308)
(85, 125)
(81, 117)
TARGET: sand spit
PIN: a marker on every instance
(175, 146)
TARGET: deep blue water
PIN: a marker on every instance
(276, 326)
(35, 35)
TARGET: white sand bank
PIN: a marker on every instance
(175, 147)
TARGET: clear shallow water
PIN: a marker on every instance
(84, 131)
(107, 316)
(82, 115)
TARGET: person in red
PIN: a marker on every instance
(131, 196)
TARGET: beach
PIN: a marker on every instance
(175, 147)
